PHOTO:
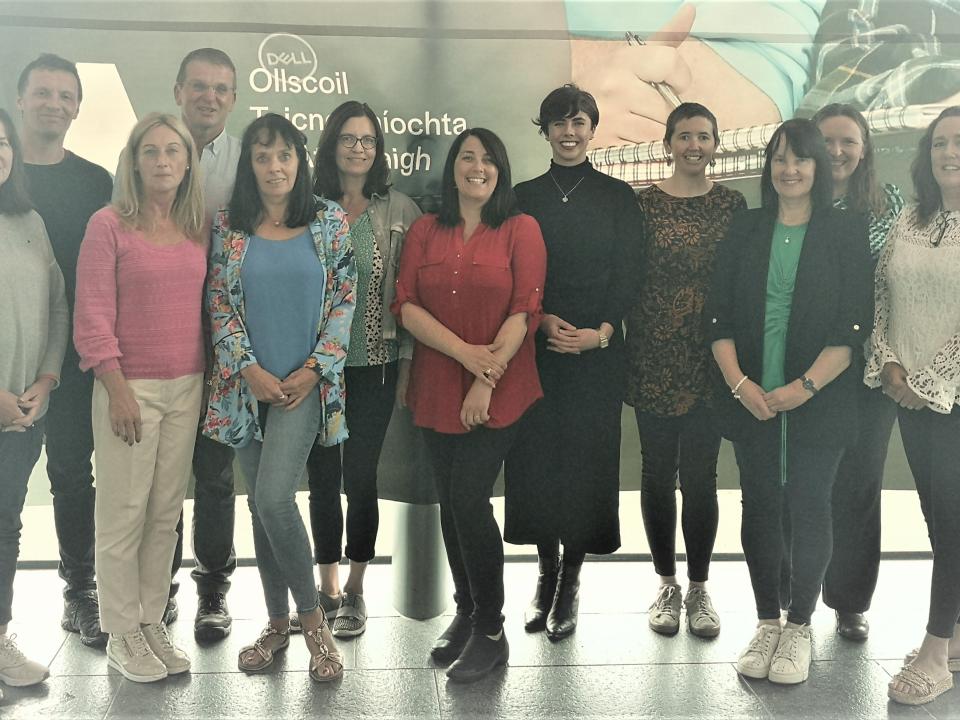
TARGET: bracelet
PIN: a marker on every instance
(736, 388)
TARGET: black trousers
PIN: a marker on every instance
(465, 469)
(685, 448)
(69, 435)
(804, 501)
(370, 399)
(852, 575)
(932, 443)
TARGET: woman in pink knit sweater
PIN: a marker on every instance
(137, 324)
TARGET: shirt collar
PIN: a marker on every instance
(216, 145)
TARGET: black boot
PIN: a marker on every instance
(562, 620)
(479, 657)
(535, 616)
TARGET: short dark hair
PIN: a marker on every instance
(326, 178)
(565, 102)
(863, 192)
(14, 199)
(803, 138)
(685, 111)
(502, 203)
(246, 207)
(49, 61)
(929, 196)
(207, 55)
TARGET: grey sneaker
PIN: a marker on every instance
(330, 604)
(15, 669)
(754, 661)
(665, 611)
(791, 661)
(157, 637)
(131, 656)
(351, 619)
(702, 619)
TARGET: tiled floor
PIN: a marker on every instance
(613, 667)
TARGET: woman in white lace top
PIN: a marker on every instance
(915, 358)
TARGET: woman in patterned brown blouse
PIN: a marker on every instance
(685, 217)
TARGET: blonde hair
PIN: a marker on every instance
(188, 209)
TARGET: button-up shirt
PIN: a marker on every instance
(218, 165)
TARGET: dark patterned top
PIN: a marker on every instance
(880, 224)
(669, 361)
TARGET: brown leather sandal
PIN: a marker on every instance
(262, 656)
(324, 658)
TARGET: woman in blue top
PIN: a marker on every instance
(790, 302)
(281, 303)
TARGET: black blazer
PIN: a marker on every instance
(832, 305)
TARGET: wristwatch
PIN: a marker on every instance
(809, 385)
(604, 340)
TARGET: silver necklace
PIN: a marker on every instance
(566, 195)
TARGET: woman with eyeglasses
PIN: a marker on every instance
(855, 563)
(351, 169)
(789, 304)
(280, 297)
(915, 359)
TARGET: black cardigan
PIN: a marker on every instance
(832, 305)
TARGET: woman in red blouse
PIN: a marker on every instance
(469, 290)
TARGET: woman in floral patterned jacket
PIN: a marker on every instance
(280, 343)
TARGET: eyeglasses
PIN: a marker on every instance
(198, 88)
(943, 224)
(367, 142)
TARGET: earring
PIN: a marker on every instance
(713, 162)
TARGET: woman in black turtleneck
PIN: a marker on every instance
(563, 475)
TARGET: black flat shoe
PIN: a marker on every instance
(852, 626)
(535, 616)
(81, 614)
(479, 657)
(562, 620)
(452, 641)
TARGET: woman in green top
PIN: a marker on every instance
(351, 169)
(790, 302)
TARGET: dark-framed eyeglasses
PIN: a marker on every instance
(943, 223)
(367, 142)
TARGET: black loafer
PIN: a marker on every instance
(81, 614)
(853, 626)
(452, 641)
(479, 657)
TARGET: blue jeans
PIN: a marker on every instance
(272, 470)
(19, 452)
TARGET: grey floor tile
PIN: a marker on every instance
(835, 690)
(360, 694)
(655, 691)
(397, 642)
(60, 698)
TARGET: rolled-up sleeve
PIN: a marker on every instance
(95, 314)
(529, 267)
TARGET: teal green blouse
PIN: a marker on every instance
(781, 279)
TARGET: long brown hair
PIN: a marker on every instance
(929, 197)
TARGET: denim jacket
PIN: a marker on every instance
(232, 411)
(392, 214)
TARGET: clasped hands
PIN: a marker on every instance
(893, 380)
(765, 405)
(287, 393)
(17, 413)
(562, 337)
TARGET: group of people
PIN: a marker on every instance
(287, 310)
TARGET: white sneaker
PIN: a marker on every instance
(15, 669)
(130, 654)
(754, 662)
(702, 619)
(791, 661)
(664, 615)
(176, 660)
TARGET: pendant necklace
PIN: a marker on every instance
(566, 195)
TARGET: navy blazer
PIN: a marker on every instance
(832, 305)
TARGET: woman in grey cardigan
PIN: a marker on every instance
(34, 322)
(351, 169)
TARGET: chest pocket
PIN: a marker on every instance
(491, 271)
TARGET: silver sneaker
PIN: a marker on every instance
(131, 656)
(157, 637)
(702, 619)
(15, 669)
(665, 611)
(754, 662)
(791, 661)
(351, 619)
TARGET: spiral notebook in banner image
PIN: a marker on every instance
(741, 150)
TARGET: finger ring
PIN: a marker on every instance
(282, 396)
(486, 373)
